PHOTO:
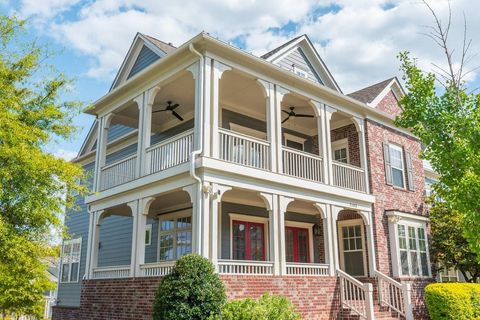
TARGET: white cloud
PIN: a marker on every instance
(359, 42)
(65, 154)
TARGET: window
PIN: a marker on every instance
(248, 241)
(396, 161)
(448, 275)
(70, 266)
(340, 150)
(297, 244)
(174, 236)
(352, 258)
(148, 235)
(294, 142)
(409, 244)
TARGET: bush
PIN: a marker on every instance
(457, 301)
(268, 307)
(191, 291)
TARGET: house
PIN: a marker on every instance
(261, 164)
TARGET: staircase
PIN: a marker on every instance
(357, 299)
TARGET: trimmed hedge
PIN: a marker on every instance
(191, 291)
(456, 301)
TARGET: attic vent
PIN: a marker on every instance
(299, 72)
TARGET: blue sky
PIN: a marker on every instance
(358, 39)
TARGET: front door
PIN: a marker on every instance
(352, 247)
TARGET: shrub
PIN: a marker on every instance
(191, 291)
(457, 301)
(268, 307)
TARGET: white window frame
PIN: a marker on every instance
(148, 228)
(254, 219)
(340, 144)
(396, 218)
(71, 242)
(170, 216)
(450, 274)
(293, 138)
(346, 223)
(303, 225)
(391, 147)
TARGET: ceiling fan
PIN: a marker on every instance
(292, 114)
(171, 107)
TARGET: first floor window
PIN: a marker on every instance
(413, 255)
(248, 240)
(297, 244)
(448, 275)
(148, 235)
(70, 266)
(174, 236)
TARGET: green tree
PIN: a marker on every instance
(447, 121)
(35, 186)
(449, 246)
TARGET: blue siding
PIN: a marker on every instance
(118, 130)
(115, 241)
(298, 58)
(76, 222)
(145, 58)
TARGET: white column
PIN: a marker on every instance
(144, 103)
(101, 152)
(194, 69)
(91, 224)
(279, 94)
(218, 70)
(134, 207)
(273, 252)
(272, 124)
(207, 107)
(142, 215)
(97, 217)
(334, 210)
(360, 124)
(372, 265)
(140, 101)
(197, 217)
(327, 235)
(322, 138)
(282, 209)
(215, 227)
(328, 141)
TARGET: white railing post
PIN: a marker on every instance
(407, 298)
(369, 311)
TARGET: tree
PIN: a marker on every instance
(191, 291)
(449, 247)
(447, 121)
(35, 186)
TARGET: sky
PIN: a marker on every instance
(358, 39)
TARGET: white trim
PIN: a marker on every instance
(393, 86)
(338, 145)
(254, 219)
(294, 138)
(248, 131)
(148, 228)
(309, 227)
(410, 217)
(70, 242)
(175, 216)
(352, 222)
(396, 147)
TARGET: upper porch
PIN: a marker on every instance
(233, 120)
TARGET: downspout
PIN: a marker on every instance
(199, 150)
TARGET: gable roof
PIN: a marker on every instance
(140, 41)
(314, 59)
(373, 94)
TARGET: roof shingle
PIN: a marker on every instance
(368, 94)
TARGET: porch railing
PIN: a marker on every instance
(156, 269)
(348, 176)
(245, 267)
(356, 296)
(307, 269)
(302, 164)
(245, 150)
(394, 295)
(118, 172)
(169, 153)
(111, 272)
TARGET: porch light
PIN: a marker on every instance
(317, 230)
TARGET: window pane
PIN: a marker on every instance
(402, 241)
(396, 157)
(67, 250)
(424, 260)
(74, 272)
(294, 145)
(184, 223)
(166, 247)
(239, 241)
(302, 245)
(412, 239)
(397, 178)
(289, 245)
(404, 262)
(184, 247)
(167, 225)
(256, 242)
(147, 236)
(414, 259)
(354, 263)
(65, 272)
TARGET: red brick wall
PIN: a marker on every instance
(350, 133)
(65, 313)
(389, 104)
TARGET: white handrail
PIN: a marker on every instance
(307, 269)
(302, 164)
(118, 172)
(170, 152)
(111, 272)
(394, 295)
(244, 150)
(356, 296)
(156, 269)
(245, 267)
(348, 176)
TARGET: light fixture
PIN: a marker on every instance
(317, 230)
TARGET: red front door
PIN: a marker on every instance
(296, 245)
(248, 241)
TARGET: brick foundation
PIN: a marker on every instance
(65, 313)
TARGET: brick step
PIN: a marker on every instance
(380, 313)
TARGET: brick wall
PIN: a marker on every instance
(389, 104)
(350, 133)
(65, 313)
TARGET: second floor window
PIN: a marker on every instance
(340, 150)
(398, 167)
(70, 263)
(396, 162)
